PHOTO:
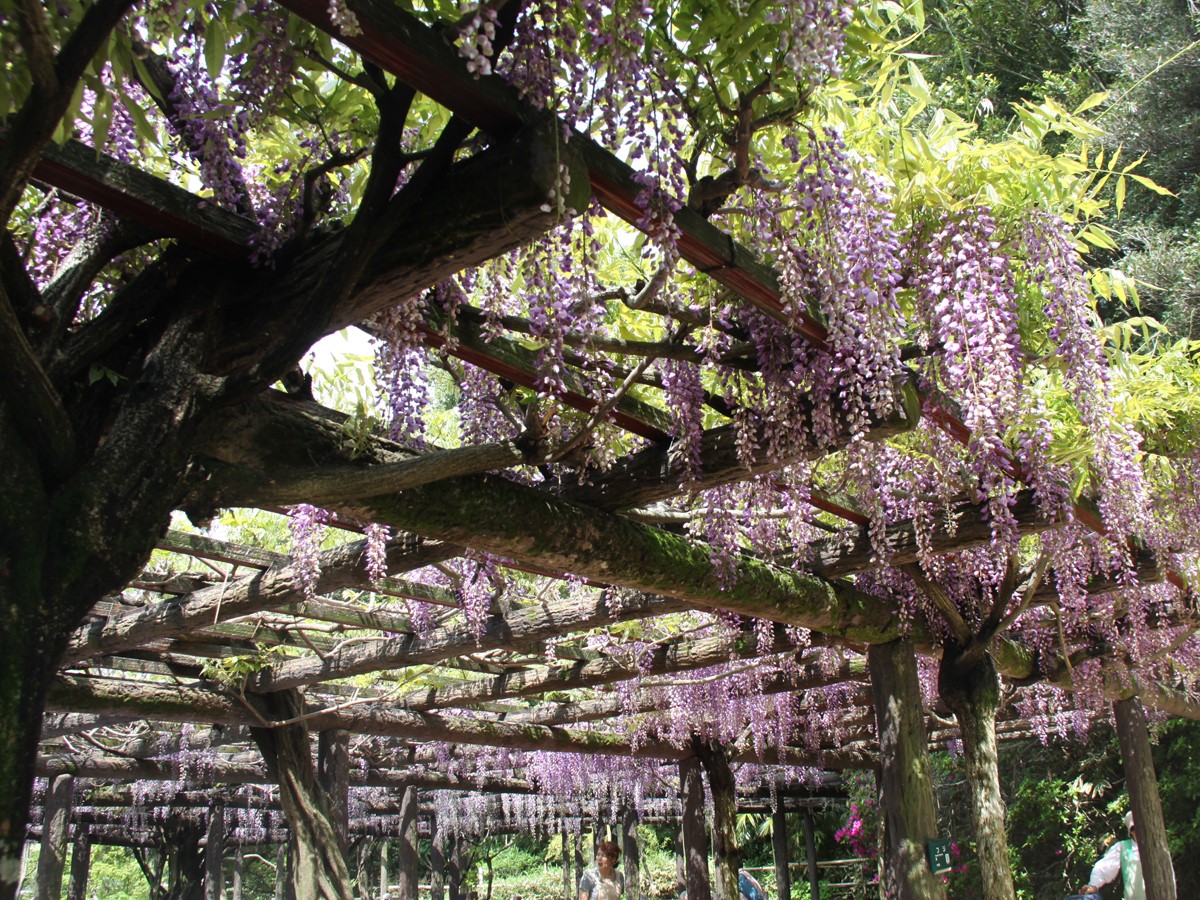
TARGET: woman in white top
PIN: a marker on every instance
(603, 881)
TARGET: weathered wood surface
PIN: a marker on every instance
(906, 779)
(693, 831)
(277, 586)
(53, 857)
(1142, 785)
(184, 704)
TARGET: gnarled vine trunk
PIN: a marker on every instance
(726, 853)
(907, 782)
(973, 695)
(319, 870)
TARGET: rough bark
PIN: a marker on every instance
(319, 869)
(727, 855)
(81, 863)
(184, 704)
(810, 855)
(407, 858)
(631, 857)
(214, 854)
(907, 782)
(186, 863)
(53, 857)
(973, 696)
(693, 829)
(333, 772)
(1142, 785)
(437, 860)
(779, 845)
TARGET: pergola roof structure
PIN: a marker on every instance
(411, 698)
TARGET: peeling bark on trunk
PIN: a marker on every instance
(692, 827)
(973, 696)
(1142, 785)
(319, 870)
(907, 783)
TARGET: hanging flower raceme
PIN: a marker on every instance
(1056, 271)
(841, 254)
(307, 525)
(966, 301)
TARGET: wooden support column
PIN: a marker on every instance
(727, 856)
(53, 857)
(437, 860)
(383, 871)
(680, 859)
(239, 866)
(630, 854)
(458, 864)
(281, 867)
(577, 844)
(568, 888)
(906, 781)
(1142, 784)
(810, 853)
(408, 861)
(81, 863)
(333, 772)
(779, 843)
(695, 835)
(214, 854)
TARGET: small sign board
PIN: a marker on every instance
(939, 855)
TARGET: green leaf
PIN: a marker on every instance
(1153, 185)
(1091, 101)
(215, 38)
(1120, 194)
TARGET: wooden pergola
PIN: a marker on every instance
(133, 701)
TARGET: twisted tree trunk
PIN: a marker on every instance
(973, 695)
(319, 870)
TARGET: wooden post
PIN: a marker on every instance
(680, 860)
(214, 854)
(437, 861)
(239, 866)
(568, 888)
(578, 845)
(727, 856)
(333, 773)
(779, 843)
(383, 871)
(407, 861)
(81, 862)
(630, 854)
(458, 863)
(1142, 785)
(53, 857)
(695, 835)
(810, 852)
(281, 867)
(906, 780)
